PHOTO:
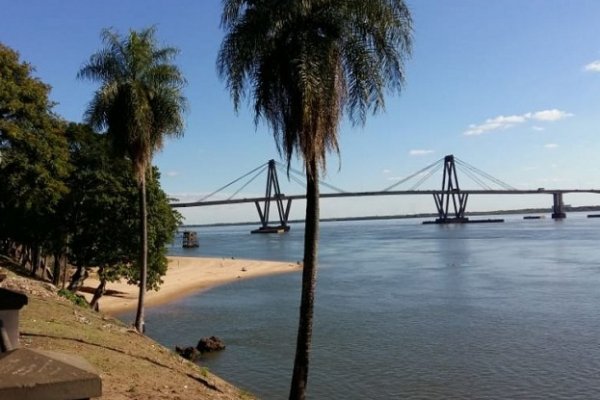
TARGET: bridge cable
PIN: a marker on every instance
(474, 174)
(298, 181)
(426, 176)
(476, 179)
(232, 182)
(485, 175)
(249, 182)
(301, 174)
(432, 165)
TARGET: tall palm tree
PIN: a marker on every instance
(305, 63)
(139, 103)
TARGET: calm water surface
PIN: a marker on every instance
(407, 311)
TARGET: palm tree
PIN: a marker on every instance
(139, 103)
(305, 63)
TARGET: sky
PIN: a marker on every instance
(512, 87)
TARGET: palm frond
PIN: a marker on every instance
(305, 63)
(140, 97)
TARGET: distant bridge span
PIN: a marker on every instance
(376, 193)
(450, 200)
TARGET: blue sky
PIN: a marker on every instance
(510, 86)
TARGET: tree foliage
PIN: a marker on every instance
(104, 213)
(34, 161)
(66, 194)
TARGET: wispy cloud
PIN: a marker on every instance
(594, 66)
(538, 128)
(551, 146)
(502, 122)
(172, 174)
(420, 152)
(386, 171)
(491, 124)
(549, 115)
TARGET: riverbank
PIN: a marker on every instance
(131, 366)
(185, 275)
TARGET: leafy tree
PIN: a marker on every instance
(34, 160)
(99, 205)
(104, 213)
(139, 102)
(163, 222)
(305, 63)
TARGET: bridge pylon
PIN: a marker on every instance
(273, 193)
(450, 203)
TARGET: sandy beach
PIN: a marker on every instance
(184, 276)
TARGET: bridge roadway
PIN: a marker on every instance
(381, 193)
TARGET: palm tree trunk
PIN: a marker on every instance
(139, 317)
(309, 280)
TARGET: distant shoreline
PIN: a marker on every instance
(410, 216)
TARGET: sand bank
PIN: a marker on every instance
(186, 275)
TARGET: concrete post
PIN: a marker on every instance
(558, 207)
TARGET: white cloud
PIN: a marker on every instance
(490, 124)
(538, 128)
(549, 115)
(551, 146)
(594, 66)
(504, 122)
(386, 171)
(420, 152)
(172, 174)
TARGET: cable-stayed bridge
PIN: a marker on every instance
(450, 200)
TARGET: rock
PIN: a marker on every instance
(189, 353)
(210, 344)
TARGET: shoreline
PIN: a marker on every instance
(185, 275)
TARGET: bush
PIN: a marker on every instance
(75, 298)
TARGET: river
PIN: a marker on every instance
(409, 311)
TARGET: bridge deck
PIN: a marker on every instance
(381, 193)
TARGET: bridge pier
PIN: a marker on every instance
(558, 207)
(273, 193)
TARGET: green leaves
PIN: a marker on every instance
(34, 160)
(103, 211)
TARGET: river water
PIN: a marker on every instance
(409, 311)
